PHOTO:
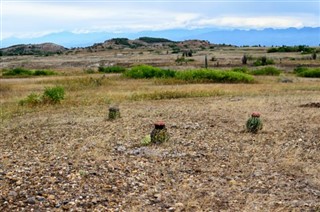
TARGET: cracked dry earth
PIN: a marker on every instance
(73, 159)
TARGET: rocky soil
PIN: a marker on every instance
(56, 159)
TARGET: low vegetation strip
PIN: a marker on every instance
(21, 72)
(307, 72)
(200, 75)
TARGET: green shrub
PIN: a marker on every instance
(43, 73)
(312, 73)
(300, 69)
(205, 75)
(266, 71)
(17, 72)
(300, 48)
(112, 69)
(27, 72)
(53, 94)
(32, 100)
(241, 69)
(145, 71)
(262, 61)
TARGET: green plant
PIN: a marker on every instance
(31, 100)
(159, 134)
(53, 95)
(312, 73)
(266, 71)
(112, 69)
(241, 69)
(114, 113)
(254, 124)
(262, 61)
(26, 72)
(145, 71)
(146, 140)
(208, 75)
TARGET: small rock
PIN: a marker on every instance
(31, 200)
(51, 197)
(179, 205)
(12, 194)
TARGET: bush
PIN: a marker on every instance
(262, 61)
(53, 94)
(300, 69)
(204, 75)
(17, 72)
(266, 71)
(27, 72)
(32, 100)
(112, 69)
(312, 73)
(145, 71)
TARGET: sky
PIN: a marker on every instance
(28, 19)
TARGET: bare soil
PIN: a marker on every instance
(74, 159)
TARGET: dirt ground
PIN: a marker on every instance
(74, 159)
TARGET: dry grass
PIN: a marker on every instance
(67, 156)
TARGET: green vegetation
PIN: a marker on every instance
(51, 95)
(145, 71)
(22, 72)
(266, 71)
(301, 48)
(201, 75)
(154, 40)
(209, 75)
(112, 69)
(307, 72)
(254, 124)
(121, 41)
(262, 61)
(181, 60)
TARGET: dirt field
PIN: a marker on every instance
(69, 157)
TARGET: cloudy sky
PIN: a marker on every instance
(24, 19)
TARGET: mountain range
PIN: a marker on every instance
(266, 37)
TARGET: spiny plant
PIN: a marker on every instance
(159, 134)
(254, 124)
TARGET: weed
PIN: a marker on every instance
(112, 69)
(145, 71)
(204, 75)
(53, 95)
(26, 72)
(262, 61)
(266, 71)
(312, 73)
(31, 100)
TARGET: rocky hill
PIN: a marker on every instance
(151, 43)
(33, 49)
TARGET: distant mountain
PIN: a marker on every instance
(266, 37)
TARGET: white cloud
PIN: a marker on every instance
(34, 19)
(259, 22)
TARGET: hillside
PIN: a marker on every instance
(33, 49)
(46, 49)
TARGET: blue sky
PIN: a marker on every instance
(27, 19)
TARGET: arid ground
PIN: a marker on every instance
(68, 156)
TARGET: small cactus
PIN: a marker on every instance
(114, 113)
(254, 124)
(159, 134)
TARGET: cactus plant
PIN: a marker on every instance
(254, 124)
(159, 134)
(114, 113)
